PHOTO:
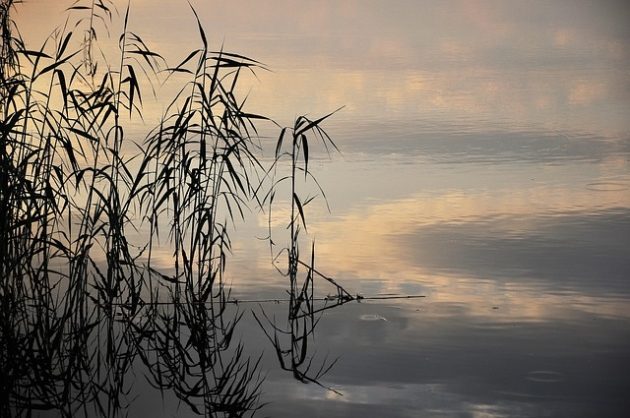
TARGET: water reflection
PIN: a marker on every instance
(474, 141)
(455, 60)
(81, 360)
(485, 166)
(584, 251)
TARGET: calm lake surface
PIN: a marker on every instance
(485, 165)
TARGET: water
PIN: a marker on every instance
(485, 166)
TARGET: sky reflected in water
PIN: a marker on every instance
(485, 164)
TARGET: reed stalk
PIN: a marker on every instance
(81, 305)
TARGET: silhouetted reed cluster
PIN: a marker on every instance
(81, 303)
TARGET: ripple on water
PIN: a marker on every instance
(607, 186)
(544, 376)
(372, 317)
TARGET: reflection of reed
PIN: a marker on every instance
(291, 340)
(189, 351)
(84, 367)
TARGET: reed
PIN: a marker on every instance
(292, 340)
(80, 304)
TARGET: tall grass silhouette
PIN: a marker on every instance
(81, 305)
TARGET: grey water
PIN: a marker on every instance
(485, 165)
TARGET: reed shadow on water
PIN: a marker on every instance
(83, 309)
